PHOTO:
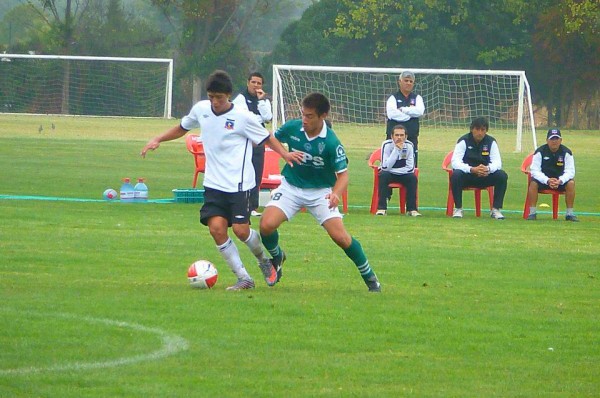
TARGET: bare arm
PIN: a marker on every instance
(171, 134)
(338, 189)
(289, 157)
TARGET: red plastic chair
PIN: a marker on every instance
(446, 165)
(555, 194)
(271, 177)
(196, 148)
(374, 162)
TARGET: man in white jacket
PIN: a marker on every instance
(405, 107)
(552, 167)
(397, 165)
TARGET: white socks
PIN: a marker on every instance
(231, 255)
(255, 245)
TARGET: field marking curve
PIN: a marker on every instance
(171, 344)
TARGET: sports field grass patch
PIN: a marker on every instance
(471, 307)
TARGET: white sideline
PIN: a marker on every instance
(171, 344)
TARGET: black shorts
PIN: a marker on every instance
(544, 187)
(235, 206)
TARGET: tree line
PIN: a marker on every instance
(556, 42)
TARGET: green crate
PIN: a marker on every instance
(188, 195)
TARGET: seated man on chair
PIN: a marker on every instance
(398, 165)
(476, 163)
(552, 168)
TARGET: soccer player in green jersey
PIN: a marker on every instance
(317, 184)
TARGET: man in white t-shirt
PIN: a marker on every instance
(228, 134)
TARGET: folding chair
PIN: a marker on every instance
(555, 194)
(196, 148)
(374, 162)
(446, 165)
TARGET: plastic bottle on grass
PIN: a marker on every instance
(126, 193)
(140, 191)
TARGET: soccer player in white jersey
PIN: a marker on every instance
(317, 184)
(228, 134)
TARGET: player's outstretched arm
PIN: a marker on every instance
(171, 134)
(289, 157)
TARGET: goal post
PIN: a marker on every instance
(86, 85)
(453, 97)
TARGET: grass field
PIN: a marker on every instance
(95, 302)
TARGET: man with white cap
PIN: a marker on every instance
(552, 167)
(405, 107)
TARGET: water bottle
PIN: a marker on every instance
(126, 192)
(140, 191)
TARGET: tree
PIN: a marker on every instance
(62, 21)
(309, 41)
(557, 41)
(20, 29)
(206, 39)
(567, 62)
(111, 31)
(214, 34)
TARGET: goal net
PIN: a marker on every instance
(78, 85)
(452, 97)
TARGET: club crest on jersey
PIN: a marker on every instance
(229, 124)
(485, 150)
(321, 147)
(560, 161)
(412, 101)
(341, 154)
(307, 147)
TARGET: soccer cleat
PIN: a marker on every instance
(242, 284)
(413, 213)
(532, 217)
(571, 217)
(381, 212)
(269, 272)
(457, 213)
(278, 264)
(496, 214)
(373, 285)
(255, 213)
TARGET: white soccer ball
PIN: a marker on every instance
(110, 194)
(202, 274)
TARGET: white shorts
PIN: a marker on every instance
(291, 200)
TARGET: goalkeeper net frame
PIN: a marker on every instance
(86, 85)
(453, 97)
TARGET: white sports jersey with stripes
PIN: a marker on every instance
(227, 140)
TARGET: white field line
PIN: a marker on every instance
(171, 344)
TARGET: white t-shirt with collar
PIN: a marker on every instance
(227, 139)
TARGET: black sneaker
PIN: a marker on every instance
(571, 217)
(278, 264)
(373, 285)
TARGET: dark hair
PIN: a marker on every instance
(219, 82)
(256, 74)
(399, 127)
(318, 102)
(480, 122)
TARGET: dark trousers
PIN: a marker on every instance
(385, 193)
(497, 179)
(258, 161)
